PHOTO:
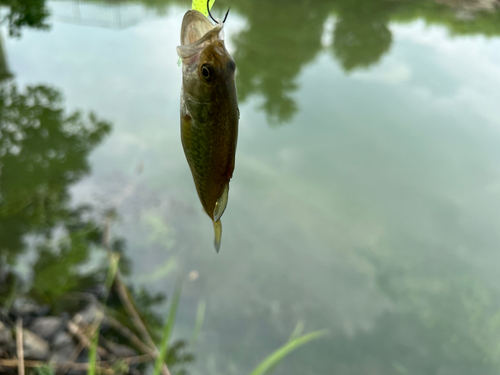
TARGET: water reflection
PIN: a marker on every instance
(282, 37)
(44, 151)
(444, 320)
(24, 13)
(442, 316)
(444, 307)
(116, 15)
(361, 35)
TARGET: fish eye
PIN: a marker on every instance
(207, 72)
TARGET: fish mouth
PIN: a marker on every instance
(197, 32)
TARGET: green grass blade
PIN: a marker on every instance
(167, 329)
(110, 277)
(299, 328)
(297, 332)
(279, 354)
(113, 268)
(93, 353)
(200, 316)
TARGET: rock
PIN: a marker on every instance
(34, 346)
(5, 335)
(62, 355)
(47, 327)
(4, 313)
(82, 358)
(121, 351)
(26, 307)
(27, 311)
(62, 339)
(64, 348)
(90, 315)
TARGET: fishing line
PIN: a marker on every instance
(210, 14)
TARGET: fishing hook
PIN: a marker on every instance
(228, 9)
(210, 14)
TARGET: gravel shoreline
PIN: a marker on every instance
(62, 342)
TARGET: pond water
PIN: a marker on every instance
(366, 194)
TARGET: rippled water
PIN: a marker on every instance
(365, 198)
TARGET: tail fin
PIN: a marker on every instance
(218, 234)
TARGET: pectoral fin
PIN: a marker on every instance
(218, 234)
(221, 203)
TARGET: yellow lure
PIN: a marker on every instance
(201, 6)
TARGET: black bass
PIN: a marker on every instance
(209, 112)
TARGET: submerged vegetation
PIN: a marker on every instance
(43, 151)
(72, 310)
(119, 335)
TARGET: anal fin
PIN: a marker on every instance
(221, 203)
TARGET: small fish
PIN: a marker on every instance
(209, 112)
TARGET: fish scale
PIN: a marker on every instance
(209, 113)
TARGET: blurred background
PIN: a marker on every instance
(365, 198)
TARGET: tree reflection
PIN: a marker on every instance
(281, 38)
(56, 270)
(361, 35)
(43, 150)
(24, 13)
